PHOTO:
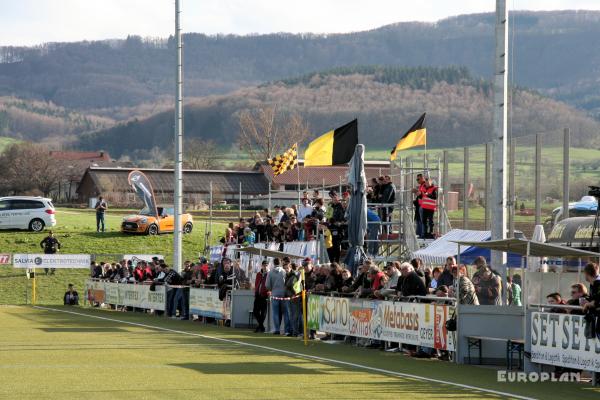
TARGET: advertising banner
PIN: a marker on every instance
(408, 323)
(95, 291)
(125, 294)
(4, 259)
(51, 260)
(206, 303)
(140, 296)
(558, 339)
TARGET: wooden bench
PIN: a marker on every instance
(512, 346)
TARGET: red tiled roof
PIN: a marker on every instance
(80, 155)
(315, 176)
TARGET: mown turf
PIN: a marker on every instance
(76, 230)
(54, 355)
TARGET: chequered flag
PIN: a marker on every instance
(285, 162)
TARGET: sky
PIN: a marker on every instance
(31, 22)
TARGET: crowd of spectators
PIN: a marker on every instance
(315, 216)
(581, 300)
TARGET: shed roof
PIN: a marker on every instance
(194, 181)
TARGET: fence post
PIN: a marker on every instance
(466, 188)
(240, 200)
(566, 171)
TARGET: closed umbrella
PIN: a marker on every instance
(356, 213)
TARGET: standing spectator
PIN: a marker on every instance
(428, 207)
(556, 298)
(292, 288)
(316, 196)
(71, 297)
(249, 237)
(487, 284)
(389, 289)
(278, 215)
(51, 245)
(411, 284)
(376, 279)
(276, 285)
(514, 292)
(100, 207)
(446, 277)
(578, 294)
(418, 192)
(388, 197)
(464, 286)
(373, 230)
(305, 209)
(362, 280)
(309, 274)
(592, 276)
(435, 276)
(261, 297)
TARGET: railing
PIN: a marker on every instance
(556, 306)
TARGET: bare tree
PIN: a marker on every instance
(265, 132)
(27, 168)
(200, 154)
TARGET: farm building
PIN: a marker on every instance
(113, 185)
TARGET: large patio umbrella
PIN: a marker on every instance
(356, 214)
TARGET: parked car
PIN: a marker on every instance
(26, 212)
(148, 223)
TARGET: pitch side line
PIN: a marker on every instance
(291, 353)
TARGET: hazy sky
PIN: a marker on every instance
(27, 22)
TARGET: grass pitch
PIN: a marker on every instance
(95, 354)
(76, 230)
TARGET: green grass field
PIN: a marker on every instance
(96, 354)
(76, 230)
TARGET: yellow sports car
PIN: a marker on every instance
(148, 223)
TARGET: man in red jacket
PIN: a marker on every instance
(261, 296)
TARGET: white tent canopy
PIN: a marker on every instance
(445, 246)
(529, 248)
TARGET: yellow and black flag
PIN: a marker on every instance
(334, 147)
(284, 162)
(415, 136)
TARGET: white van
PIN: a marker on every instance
(26, 212)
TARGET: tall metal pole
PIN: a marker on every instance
(511, 187)
(210, 211)
(538, 179)
(465, 196)
(499, 150)
(487, 160)
(566, 171)
(177, 246)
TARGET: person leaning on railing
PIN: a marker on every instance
(578, 296)
(392, 271)
(592, 276)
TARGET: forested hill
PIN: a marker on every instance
(386, 101)
(556, 53)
